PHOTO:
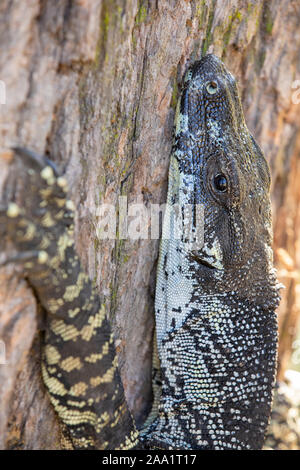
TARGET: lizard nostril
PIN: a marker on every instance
(212, 87)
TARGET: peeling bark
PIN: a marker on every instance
(94, 84)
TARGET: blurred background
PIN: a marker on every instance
(94, 85)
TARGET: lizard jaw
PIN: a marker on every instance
(206, 264)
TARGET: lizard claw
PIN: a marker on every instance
(38, 214)
(35, 160)
(24, 257)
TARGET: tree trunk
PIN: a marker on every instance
(94, 84)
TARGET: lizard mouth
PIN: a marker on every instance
(204, 262)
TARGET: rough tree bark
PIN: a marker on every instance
(94, 84)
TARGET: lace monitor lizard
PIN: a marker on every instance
(216, 330)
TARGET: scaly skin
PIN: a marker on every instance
(215, 302)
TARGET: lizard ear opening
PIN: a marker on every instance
(217, 181)
(222, 180)
(220, 183)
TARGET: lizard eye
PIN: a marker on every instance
(212, 87)
(220, 183)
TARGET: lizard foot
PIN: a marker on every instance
(40, 212)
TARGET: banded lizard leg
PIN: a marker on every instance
(79, 364)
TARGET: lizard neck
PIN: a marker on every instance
(217, 349)
(184, 284)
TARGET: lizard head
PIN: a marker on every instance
(223, 170)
